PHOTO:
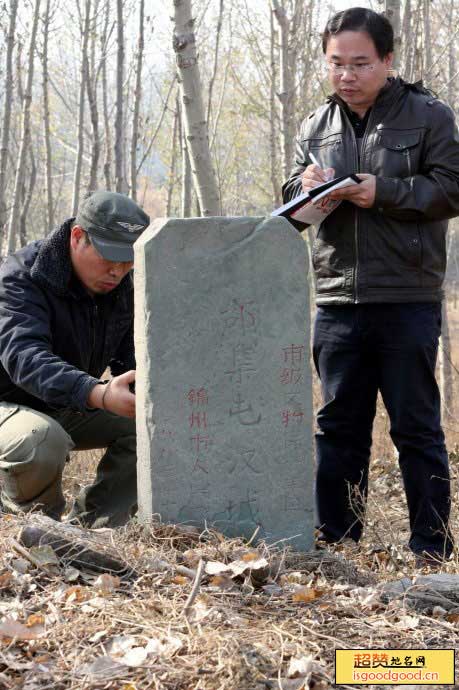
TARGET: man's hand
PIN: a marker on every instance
(362, 194)
(313, 176)
(115, 396)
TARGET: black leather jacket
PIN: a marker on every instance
(55, 339)
(394, 251)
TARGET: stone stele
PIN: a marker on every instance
(224, 410)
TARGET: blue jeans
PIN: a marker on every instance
(358, 350)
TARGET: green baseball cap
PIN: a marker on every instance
(113, 222)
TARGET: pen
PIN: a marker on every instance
(316, 162)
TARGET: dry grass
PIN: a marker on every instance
(241, 633)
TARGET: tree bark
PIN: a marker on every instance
(46, 125)
(25, 136)
(81, 108)
(392, 12)
(137, 99)
(276, 189)
(107, 132)
(427, 63)
(119, 142)
(196, 127)
(6, 122)
(27, 198)
(172, 175)
(287, 88)
(187, 183)
(92, 75)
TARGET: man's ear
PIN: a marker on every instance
(76, 236)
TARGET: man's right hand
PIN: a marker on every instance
(115, 396)
(313, 176)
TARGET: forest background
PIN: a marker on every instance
(90, 99)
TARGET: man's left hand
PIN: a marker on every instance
(362, 194)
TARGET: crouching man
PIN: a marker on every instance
(66, 314)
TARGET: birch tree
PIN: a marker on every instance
(46, 124)
(196, 126)
(25, 136)
(393, 12)
(81, 106)
(6, 121)
(137, 99)
(119, 143)
(286, 93)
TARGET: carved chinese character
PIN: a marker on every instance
(240, 316)
(244, 412)
(198, 420)
(293, 354)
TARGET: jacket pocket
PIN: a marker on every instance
(396, 153)
(327, 150)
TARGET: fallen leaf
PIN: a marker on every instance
(222, 582)
(35, 619)
(241, 566)
(13, 629)
(120, 644)
(300, 667)
(166, 646)
(43, 555)
(134, 657)
(216, 568)
(307, 594)
(250, 556)
(20, 565)
(106, 583)
(97, 636)
(102, 667)
(76, 594)
(5, 579)
(452, 617)
(408, 622)
(71, 574)
(180, 580)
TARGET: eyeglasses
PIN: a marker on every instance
(355, 69)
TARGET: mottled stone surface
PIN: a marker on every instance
(224, 410)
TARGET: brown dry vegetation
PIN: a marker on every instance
(242, 632)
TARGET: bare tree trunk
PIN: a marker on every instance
(205, 182)
(27, 194)
(427, 64)
(172, 175)
(137, 99)
(408, 40)
(187, 183)
(273, 118)
(25, 136)
(8, 99)
(81, 108)
(216, 55)
(91, 90)
(46, 126)
(119, 147)
(286, 89)
(108, 139)
(392, 12)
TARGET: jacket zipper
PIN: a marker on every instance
(356, 212)
(408, 158)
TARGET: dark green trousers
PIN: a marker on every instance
(34, 448)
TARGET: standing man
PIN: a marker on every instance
(379, 261)
(66, 313)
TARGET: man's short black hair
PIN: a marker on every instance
(377, 26)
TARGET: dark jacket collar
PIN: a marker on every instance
(388, 94)
(53, 270)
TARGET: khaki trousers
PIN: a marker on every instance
(34, 448)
